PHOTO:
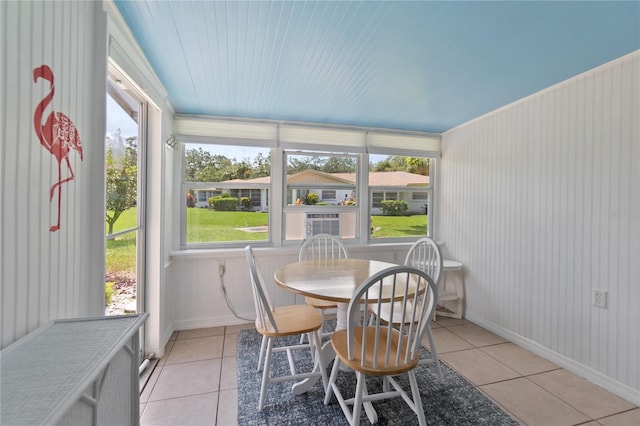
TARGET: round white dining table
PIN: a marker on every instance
(329, 279)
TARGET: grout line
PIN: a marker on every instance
(502, 407)
(618, 413)
(183, 396)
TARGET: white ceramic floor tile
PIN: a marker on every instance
(194, 410)
(228, 408)
(533, 405)
(200, 332)
(191, 378)
(581, 394)
(196, 349)
(519, 359)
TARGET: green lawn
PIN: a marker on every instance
(121, 252)
(399, 226)
(207, 225)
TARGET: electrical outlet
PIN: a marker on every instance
(221, 268)
(599, 298)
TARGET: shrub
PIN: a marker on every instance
(108, 293)
(191, 200)
(223, 203)
(246, 203)
(394, 207)
(312, 198)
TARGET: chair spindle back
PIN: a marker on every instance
(393, 346)
(425, 255)
(322, 246)
(261, 298)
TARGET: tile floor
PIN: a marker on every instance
(195, 382)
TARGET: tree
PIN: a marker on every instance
(298, 164)
(331, 164)
(122, 181)
(339, 165)
(415, 165)
(262, 166)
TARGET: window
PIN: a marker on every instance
(321, 195)
(226, 190)
(420, 195)
(400, 189)
(276, 183)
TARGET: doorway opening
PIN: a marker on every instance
(124, 189)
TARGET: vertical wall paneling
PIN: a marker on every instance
(540, 201)
(47, 275)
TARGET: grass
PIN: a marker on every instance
(399, 226)
(121, 251)
(207, 225)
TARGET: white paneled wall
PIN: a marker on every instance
(194, 293)
(197, 297)
(541, 202)
(46, 275)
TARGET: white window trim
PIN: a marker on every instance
(359, 141)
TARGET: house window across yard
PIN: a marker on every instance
(420, 196)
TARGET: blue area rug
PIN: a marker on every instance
(454, 402)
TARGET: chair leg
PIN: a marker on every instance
(434, 354)
(368, 407)
(328, 391)
(357, 403)
(263, 347)
(318, 362)
(385, 384)
(417, 401)
(265, 373)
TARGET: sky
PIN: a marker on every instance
(118, 119)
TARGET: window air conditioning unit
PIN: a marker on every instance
(323, 223)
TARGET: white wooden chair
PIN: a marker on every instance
(289, 320)
(319, 247)
(382, 349)
(425, 255)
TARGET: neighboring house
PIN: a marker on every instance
(332, 188)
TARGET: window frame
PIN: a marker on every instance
(323, 151)
(265, 133)
(185, 186)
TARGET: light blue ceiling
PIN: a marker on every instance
(426, 66)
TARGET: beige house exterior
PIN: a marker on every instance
(332, 189)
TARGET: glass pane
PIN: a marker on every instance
(320, 189)
(122, 175)
(321, 179)
(399, 198)
(121, 274)
(231, 201)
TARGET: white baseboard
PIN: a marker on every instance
(219, 321)
(618, 388)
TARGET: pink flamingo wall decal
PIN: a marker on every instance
(58, 135)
